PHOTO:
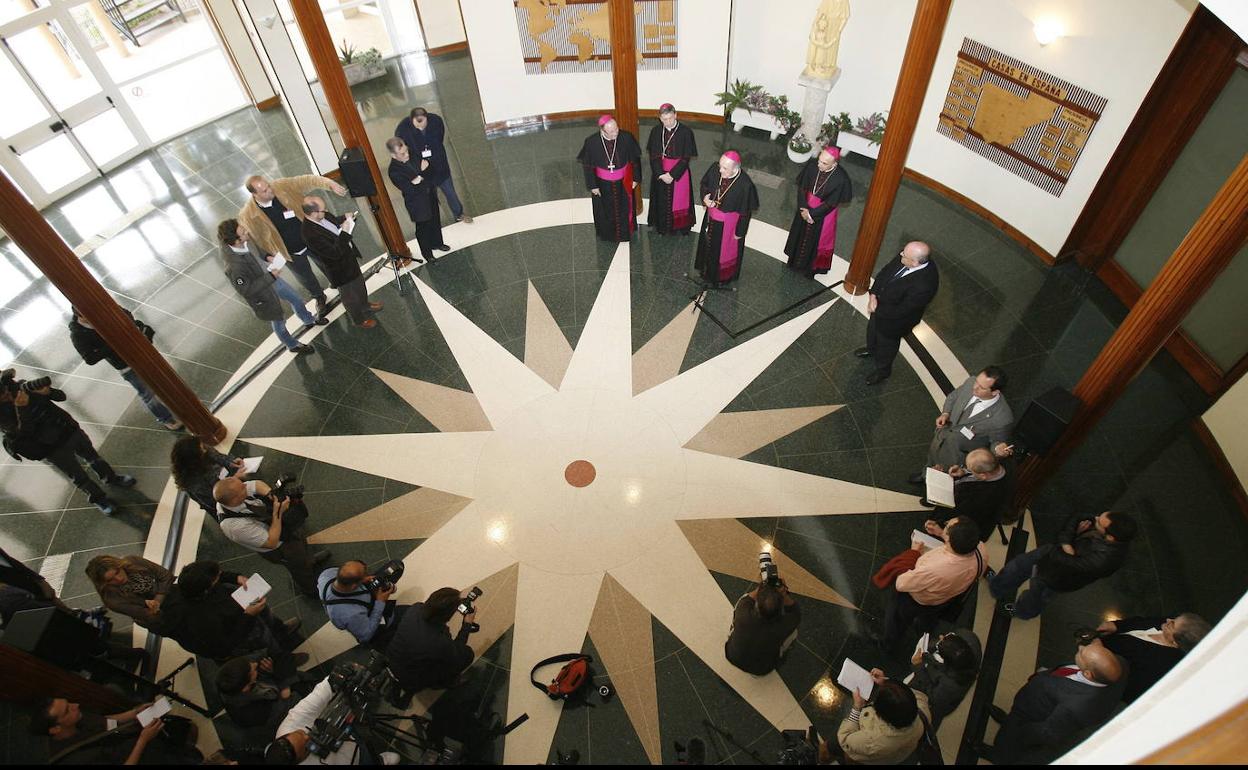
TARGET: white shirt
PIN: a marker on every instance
(981, 404)
(1147, 634)
(1078, 677)
(247, 531)
(302, 716)
(908, 270)
(330, 226)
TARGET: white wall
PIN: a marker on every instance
(234, 36)
(507, 92)
(769, 48)
(1226, 420)
(441, 22)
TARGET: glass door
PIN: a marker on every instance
(61, 126)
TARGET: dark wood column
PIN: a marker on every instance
(325, 60)
(1206, 250)
(903, 115)
(27, 678)
(624, 71)
(1193, 76)
(40, 243)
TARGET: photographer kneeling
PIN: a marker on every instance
(360, 603)
(269, 522)
(294, 745)
(422, 654)
(764, 623)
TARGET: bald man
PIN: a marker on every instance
(730, 199)
(370, 616)
(611, 159)
(899, 295)
(1059, 708)
(251, 516)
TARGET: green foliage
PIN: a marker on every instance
(871, 127)
(737, 96)
(800, 144)
(346, 54)
(789, 119)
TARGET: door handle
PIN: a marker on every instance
(57, 126)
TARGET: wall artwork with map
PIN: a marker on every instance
(1020, 118)
(561, 36)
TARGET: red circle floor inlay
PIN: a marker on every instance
(580, 473)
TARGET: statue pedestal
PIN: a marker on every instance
(814, 108)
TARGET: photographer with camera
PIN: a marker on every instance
(360, 603)
(269, 521)
(93, 349)
(764, 623)
(318, 730)
(422, 652)
(35, 428)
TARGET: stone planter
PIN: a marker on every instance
(760, 120)
(849, 142)
(799, 157)
(358, 73)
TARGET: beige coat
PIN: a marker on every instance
(872, 741)
(290, 191)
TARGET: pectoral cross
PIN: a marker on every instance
(610, 167)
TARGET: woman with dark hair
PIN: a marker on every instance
(946, 670)
(197, 466)
(131, 586)
(885, 730)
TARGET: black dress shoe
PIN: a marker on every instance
(998, 714)
(874, 378)
(923, 501)
(121, 480)
(983, 750)
(443, 247)
(862, 353)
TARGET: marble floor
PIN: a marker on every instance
(459, 434)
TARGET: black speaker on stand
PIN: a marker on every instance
(1045, 420)
(355, 174)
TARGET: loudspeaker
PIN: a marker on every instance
(355, 173)
(1045, 420)
(53, 635)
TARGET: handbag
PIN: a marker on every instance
(928, 750)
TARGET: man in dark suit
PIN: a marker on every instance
(329, 243)
(1152, 646)
(975, 415)
(424, 133)
(420, 197)
(981, 491)
(901, 291)
(1058, 708)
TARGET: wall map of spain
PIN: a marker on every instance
(1020, 118)
(559, 36)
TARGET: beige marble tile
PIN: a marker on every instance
(622, 634)
(736, 434)
(546, 350)
(729, 547)
(660, 358)
(449, 409)
(416, 515)
(603, 356)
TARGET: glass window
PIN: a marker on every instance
(55, 163)
(54, 64)
(170, 42)
(22, 108)
(13, 9)
(105, 137)
(185, 95)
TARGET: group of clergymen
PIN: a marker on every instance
(612, 162)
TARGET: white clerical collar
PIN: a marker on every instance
(734, 176)
(330, 226)
(265, 205)
(238, 249)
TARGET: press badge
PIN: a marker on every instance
(426, 153)
(970, 434)
(288, 214)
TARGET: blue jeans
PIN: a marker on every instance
(287, 292)
(1016, 572)
(153, 404)
(448, 189)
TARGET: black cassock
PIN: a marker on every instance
(810, 246)
(719, 254)
(421, 201)
(671, 205)
(611, 168)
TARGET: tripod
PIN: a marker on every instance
(146, 687)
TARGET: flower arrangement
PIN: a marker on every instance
(800, 144)
(348, 54)
(871, 127)
(789, 119)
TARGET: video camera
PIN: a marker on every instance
(465, 608)
(768, 572)
(800, 748)
(386, 577)
(11, 385)
(358, 690)
(285, 487)
(1086, 636)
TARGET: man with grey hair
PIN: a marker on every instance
(981, 491)
(730, 199)
(611, 159)
(1152, 646)
(331, 247)
(900, 293)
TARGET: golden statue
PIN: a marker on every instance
(825, 38)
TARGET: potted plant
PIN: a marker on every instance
(864, 136)
(800, 149)
(871, 127)
(735, 98)
(789, 120)
(829, 132)
(359, 66)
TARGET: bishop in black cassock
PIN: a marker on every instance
(671, 147)
(822, 187)
(730, 199)
(612, 162)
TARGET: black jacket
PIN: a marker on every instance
(33, 431)
(1050, 716)
(1149, 661)
(337, 255)
(431, 138)
(252, 281)
(944, 687)
(903, 300)
(1095, 558)
(92, 347)
(213, 625)
(423, 654)
(983, 502)
(421, 200)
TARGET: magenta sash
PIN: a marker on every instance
(729, 254)
(827, 235)
(682, 195)
(624, 174)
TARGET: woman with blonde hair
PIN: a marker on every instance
(132, 586)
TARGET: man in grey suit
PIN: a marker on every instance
(975, 415)
(1058, 708)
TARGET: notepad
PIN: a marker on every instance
(250, 466)
(921, 647)
(277, 263)
(155, 711)
(855, 677)
(929, 543)
(939, 488)
(256, 589)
